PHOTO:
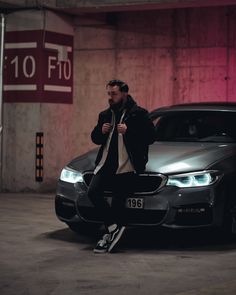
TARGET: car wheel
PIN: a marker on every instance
(83, 228)
(229, 221)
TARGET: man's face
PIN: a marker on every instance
(115, 95)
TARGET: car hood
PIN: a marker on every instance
(181, 157)
(171, 157)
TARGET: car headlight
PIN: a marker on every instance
(194, 179)
(70, 175)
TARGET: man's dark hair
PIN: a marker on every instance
(121, 84)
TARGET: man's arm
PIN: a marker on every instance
(142, 129)
(149, 130)
(100, 132)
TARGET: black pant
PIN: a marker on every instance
(121, 186)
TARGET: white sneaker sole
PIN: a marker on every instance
(116, 239)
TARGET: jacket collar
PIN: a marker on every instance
(130, 103)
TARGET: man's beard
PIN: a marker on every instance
(115, 106)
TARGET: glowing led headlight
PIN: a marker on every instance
(194, 179)
(70, 175)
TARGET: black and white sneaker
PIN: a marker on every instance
(115, 236)
(103, 244)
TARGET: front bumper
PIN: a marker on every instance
(170, 207)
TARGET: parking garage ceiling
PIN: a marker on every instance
(77, 7)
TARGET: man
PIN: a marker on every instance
(124, 132)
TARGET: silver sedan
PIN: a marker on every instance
(189, 179)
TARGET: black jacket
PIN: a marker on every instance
(139, 135)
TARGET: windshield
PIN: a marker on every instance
(196, 126)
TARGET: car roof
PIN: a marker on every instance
(198, 106)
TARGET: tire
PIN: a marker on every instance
(83, 228)
(229, 221)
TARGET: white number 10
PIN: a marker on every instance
(27, 61)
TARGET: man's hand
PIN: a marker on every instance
(121, 128)
(106, 128)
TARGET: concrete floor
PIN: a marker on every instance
(39, 255)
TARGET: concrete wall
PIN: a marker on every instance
(166, 56)
(76, 6)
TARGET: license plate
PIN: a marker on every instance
(135, 203)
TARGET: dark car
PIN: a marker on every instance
(189, 180)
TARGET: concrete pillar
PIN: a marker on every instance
(23, 120)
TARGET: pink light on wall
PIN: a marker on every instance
(201, 74)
